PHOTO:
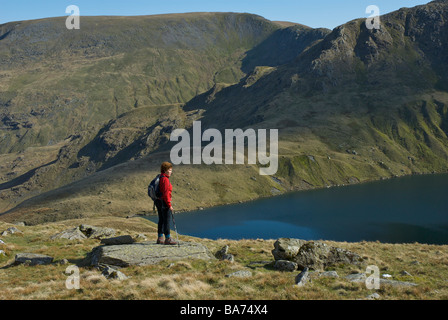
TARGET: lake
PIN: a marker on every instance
(401, 210)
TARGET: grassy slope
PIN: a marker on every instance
(198, 280)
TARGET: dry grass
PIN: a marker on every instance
(200, 280)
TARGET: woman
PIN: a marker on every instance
(163, 204)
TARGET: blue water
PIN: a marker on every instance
(403, 210)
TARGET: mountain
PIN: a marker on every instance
(87, 117)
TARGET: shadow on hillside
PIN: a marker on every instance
(24, 177)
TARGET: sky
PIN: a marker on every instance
(313, 13)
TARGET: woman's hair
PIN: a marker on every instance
(165, 167)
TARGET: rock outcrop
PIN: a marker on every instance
(313, 255)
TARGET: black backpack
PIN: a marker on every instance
(153, 189)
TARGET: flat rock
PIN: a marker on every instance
(362, 277)
(32, 259)
(240, 274)
(146, 253)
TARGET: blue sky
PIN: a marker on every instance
(314, 13)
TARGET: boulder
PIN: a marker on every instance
(318, 256)
(224, 254)
(111, 273)
(303, 278)
(373, 296)
(96, 232)
(83, 232)
(32, 259)
(312, 254)
(146, 253)
(285, 265)
(287, 249)
(11, 230)
(70, 234)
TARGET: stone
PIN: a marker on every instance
(328, 274)
(395, 283)
(11, 230)
(240, 274)
(32, 259)
(220, 253)
(2, 242)
(313, 255)
(286, 248)
(141, 237)
(285, 265)
(2, 253)
(318, 256)
(361, 278)
(111, 273)
(70, 234)
(228, 257)
(96, 232)
(117, 240)
(373, 296)
(224, 255)
(146, 253)
(303, 278)
(405, 273)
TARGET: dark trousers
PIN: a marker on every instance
(164, 217)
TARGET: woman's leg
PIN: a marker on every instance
(160, 225)
(166, 221)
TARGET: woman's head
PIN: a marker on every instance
(166, 166)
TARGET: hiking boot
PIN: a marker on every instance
(169, 241)
(160, 240)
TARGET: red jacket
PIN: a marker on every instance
(165, 189)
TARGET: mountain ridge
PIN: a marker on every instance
(353, 105)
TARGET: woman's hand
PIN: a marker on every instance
(171, 208)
